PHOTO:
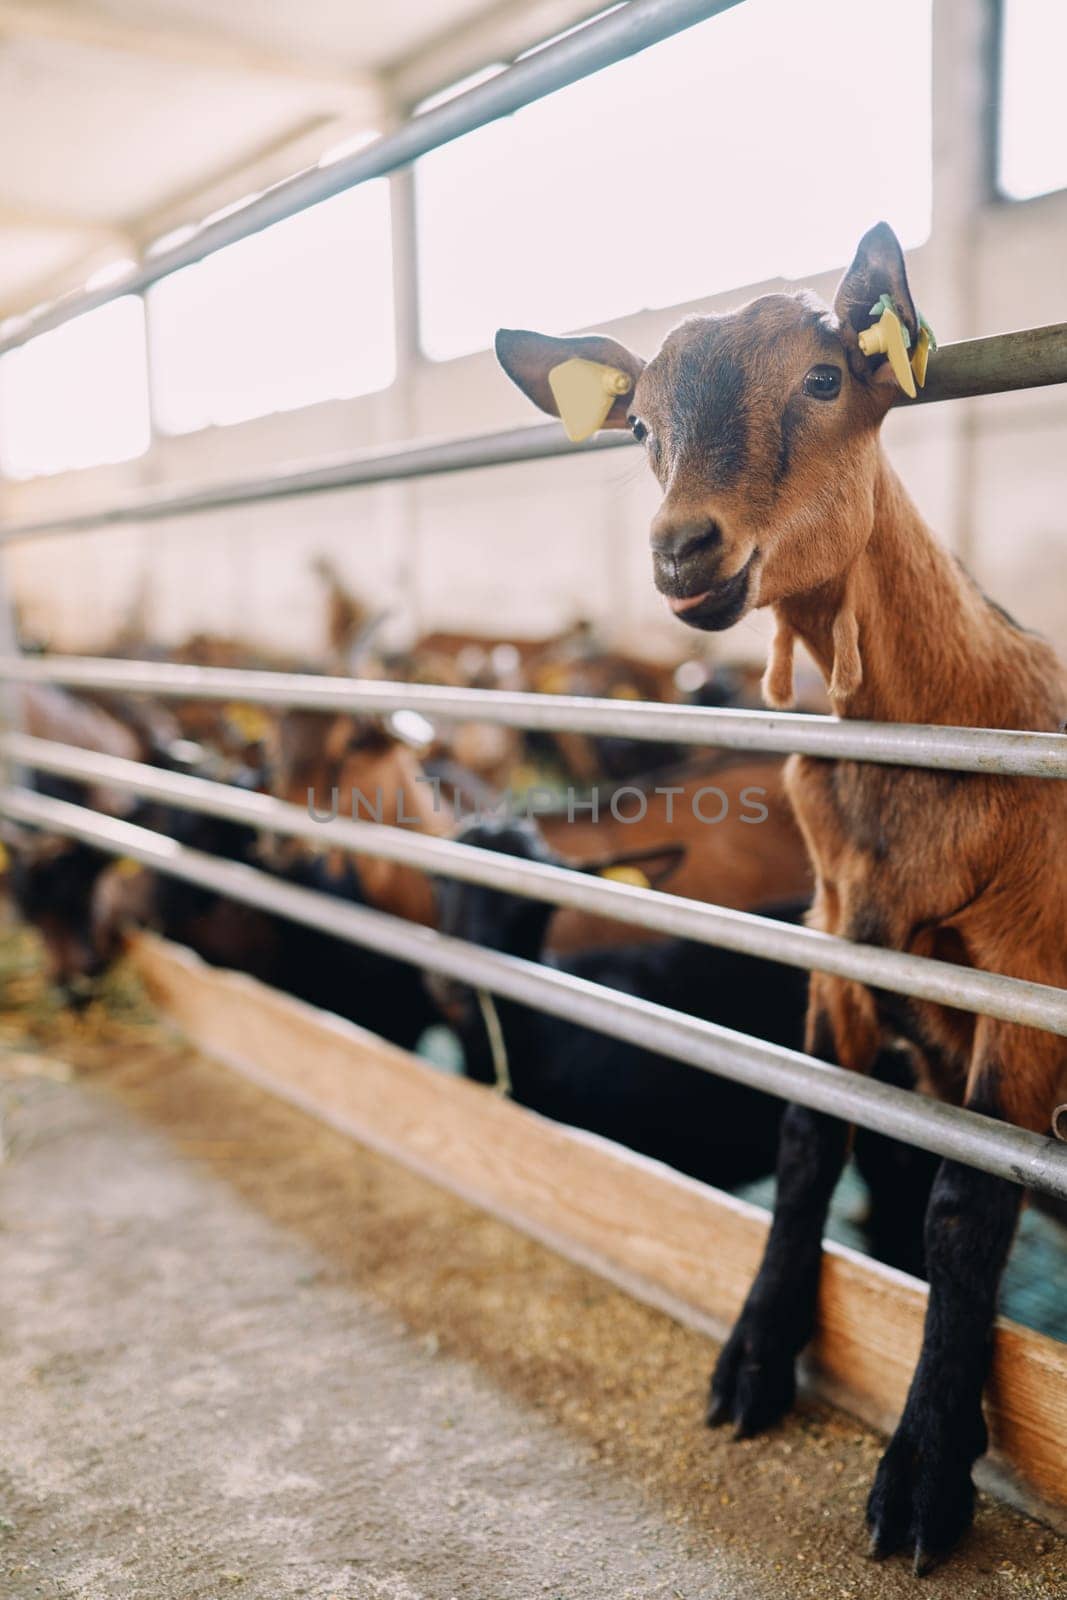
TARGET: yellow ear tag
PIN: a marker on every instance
(5, 859)
(251, 723)
(584, 392)
(554, 679)
(921, 354)
(889, 337)
(630, 875)
(127, 868)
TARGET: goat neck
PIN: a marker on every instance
(931, 647)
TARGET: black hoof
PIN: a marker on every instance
(753, 1385)
(922, 1499)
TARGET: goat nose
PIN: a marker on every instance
(682, 539)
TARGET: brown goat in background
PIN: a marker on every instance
(744, 860)
(762, 427)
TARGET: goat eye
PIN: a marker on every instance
(823, 382)
(637, 428)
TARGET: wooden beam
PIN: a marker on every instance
(26, 219)
(191, 47)
(90, 247)
(499, 33)
(671, 1241)
(291, 149)
(297, 146)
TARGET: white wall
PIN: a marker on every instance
(527, 549)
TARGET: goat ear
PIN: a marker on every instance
(877, 269)
(528, 358)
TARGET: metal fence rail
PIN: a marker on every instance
(623, 32)
(539, 442)
(1008, 1152)
(1024, 360)
(992, 751)
(1011, 999)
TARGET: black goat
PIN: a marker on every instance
(353, 981)
(80, 901)
(378, 992)
(51, 881)
(708, 1127)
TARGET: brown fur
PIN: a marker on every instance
(763, 429)
(735, 863)
(315, 755)
(777, 685)
(48, 712)
(965, 867)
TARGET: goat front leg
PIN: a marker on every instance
(754, 1381)
(923, 1496)
(899, 1178)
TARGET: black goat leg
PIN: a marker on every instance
(754, 1380)
(923, 1496)
(899, 1178)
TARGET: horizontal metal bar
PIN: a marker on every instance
(624, 32)
(1010, 999)
(389, 465)
(1023, 360)
(991, 751)
(1008, 1152)
(1026, 358)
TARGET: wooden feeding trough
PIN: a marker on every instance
(675, 1243)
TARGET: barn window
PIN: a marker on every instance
(78, 396)
(298, 313)
(1032, 149)
(750, 147)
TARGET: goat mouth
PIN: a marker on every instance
(712, 610)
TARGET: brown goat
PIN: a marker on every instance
(752, 854)
(762, 427)
(48, 712)
(313, 756)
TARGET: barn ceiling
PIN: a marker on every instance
(122, 118)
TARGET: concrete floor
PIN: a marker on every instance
(239, 1355)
